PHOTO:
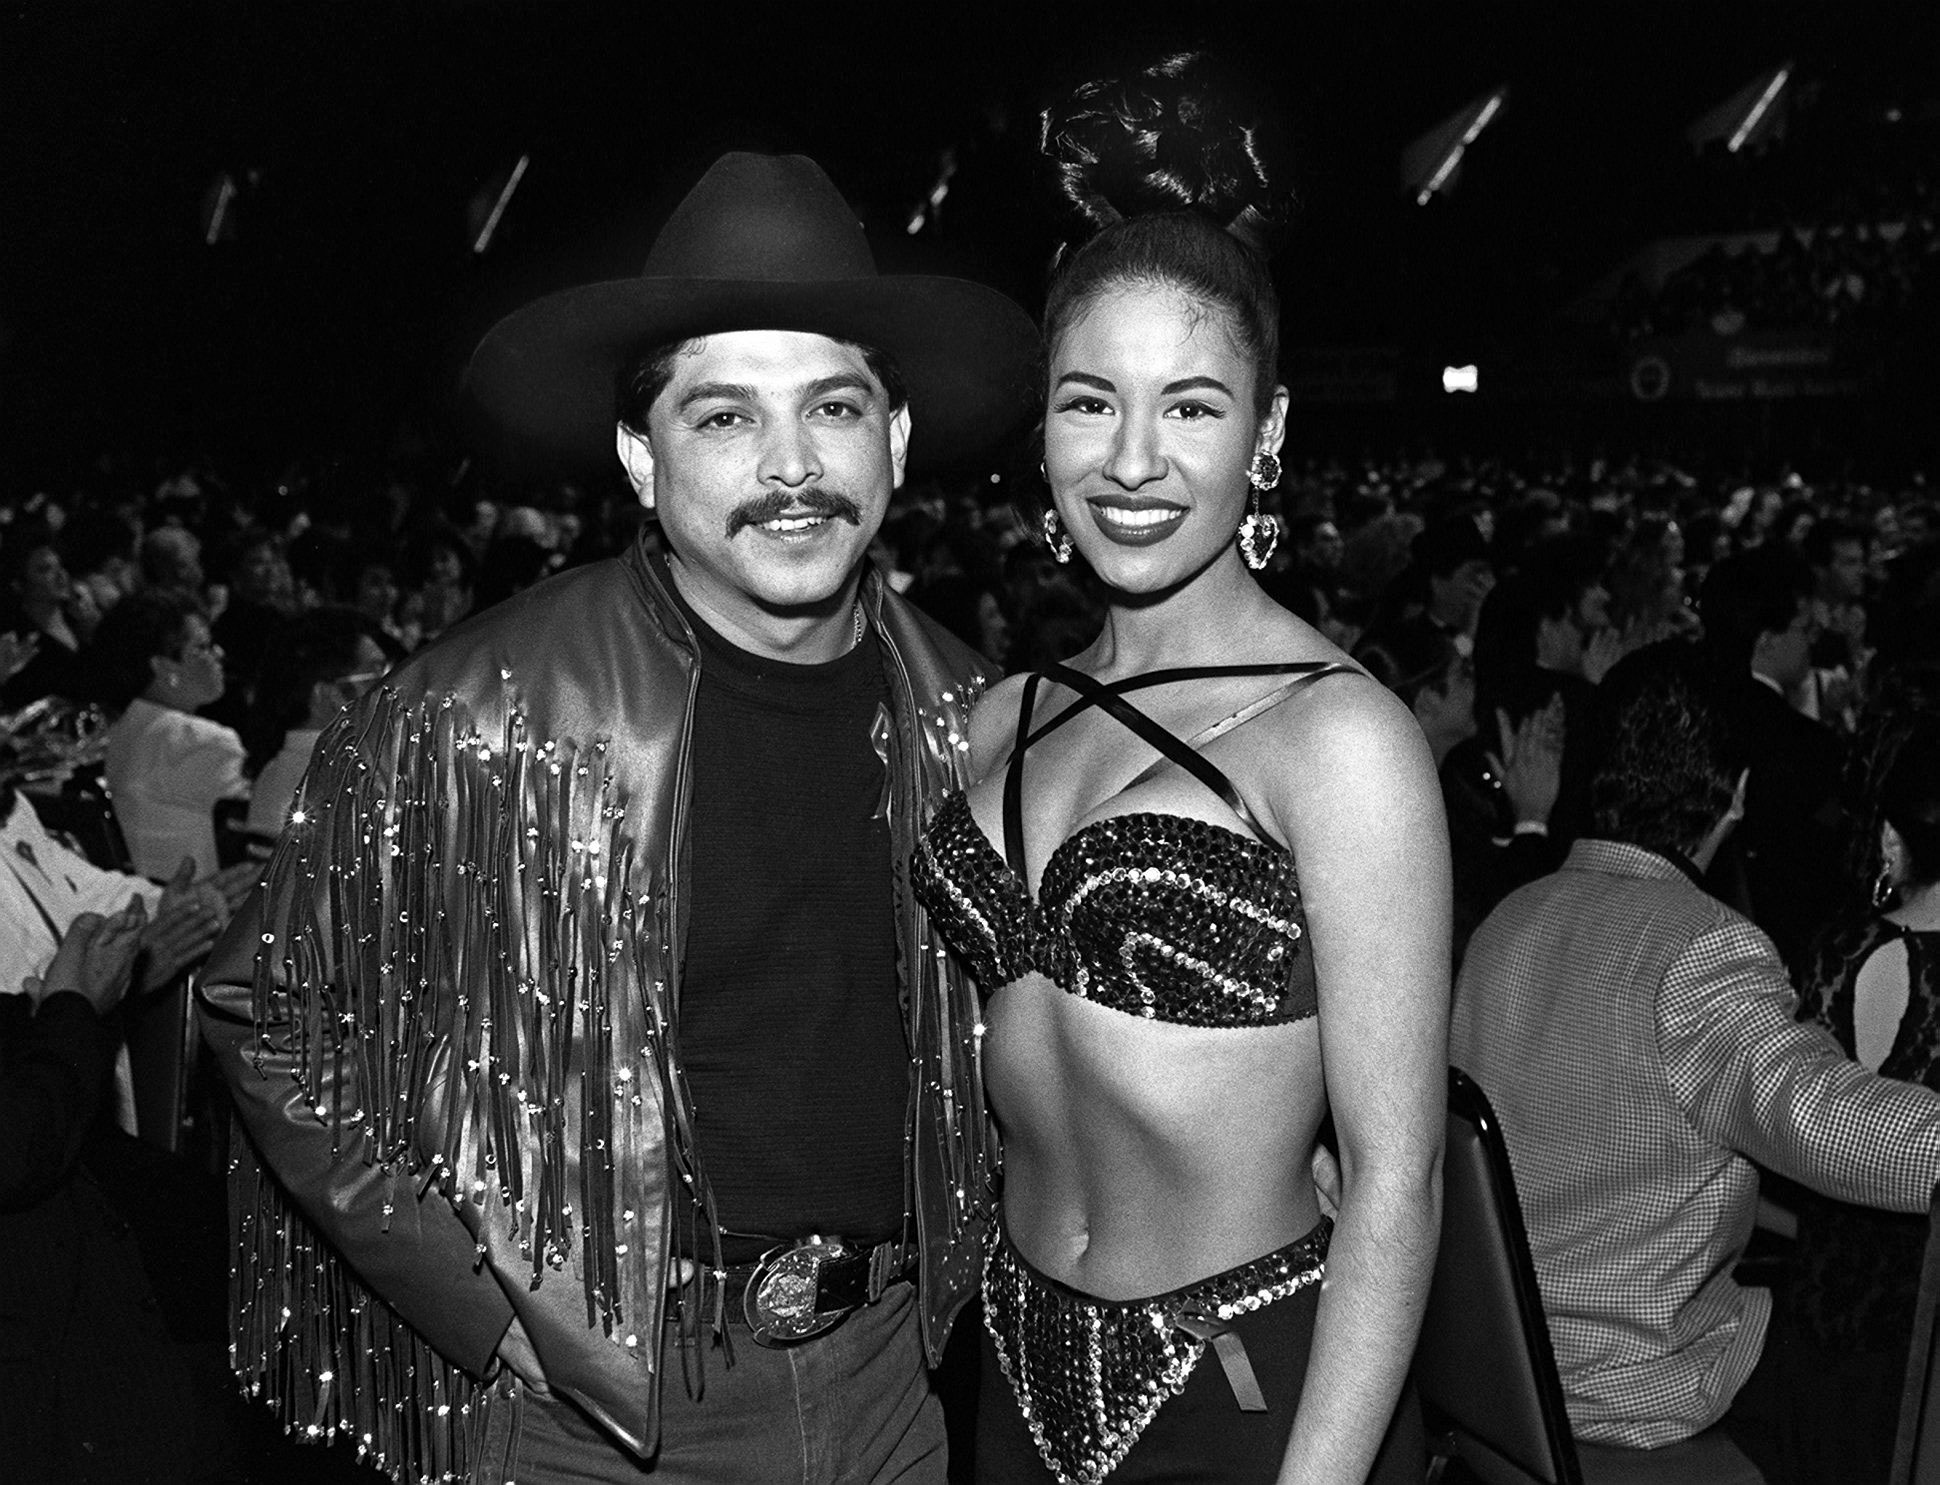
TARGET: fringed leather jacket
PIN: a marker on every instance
(449, 1018)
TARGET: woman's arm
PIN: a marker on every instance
(1356, 798)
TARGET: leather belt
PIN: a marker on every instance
(802, 1288)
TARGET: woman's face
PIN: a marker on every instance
(43, 577)
(1148, 435)
(197, 669)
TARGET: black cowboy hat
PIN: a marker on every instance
(763, 242)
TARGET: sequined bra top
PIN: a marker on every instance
(1162, 916)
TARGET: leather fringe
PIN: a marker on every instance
(333, 1360)
(454, 935)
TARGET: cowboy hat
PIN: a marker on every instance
(763, 242)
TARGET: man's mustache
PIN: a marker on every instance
(816, 501)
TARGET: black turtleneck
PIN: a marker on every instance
(790, 1027)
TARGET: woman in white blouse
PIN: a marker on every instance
(166, 766)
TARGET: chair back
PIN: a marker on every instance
(1484, 1367)
(81, 814)
(235, 841)
(1916, 1449)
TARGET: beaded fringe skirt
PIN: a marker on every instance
(1089, 1374)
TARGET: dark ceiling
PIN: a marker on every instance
(357, 134)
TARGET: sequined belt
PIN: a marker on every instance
(1089, 1374)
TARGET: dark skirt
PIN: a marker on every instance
(1200, 1436)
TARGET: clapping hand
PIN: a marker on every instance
(1531, 762)
(94, 958)
(1607, 646)
(187, 919)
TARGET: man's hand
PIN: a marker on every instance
(187, 919)
(515, 1351)
(1531, 764)
(94, 958)
(1605, 649)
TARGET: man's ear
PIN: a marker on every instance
(636, 456)
(898, 446)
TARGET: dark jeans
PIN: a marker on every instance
(852, 1407)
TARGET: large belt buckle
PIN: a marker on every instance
(779, 1301)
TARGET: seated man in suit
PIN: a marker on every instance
(1636, 1037)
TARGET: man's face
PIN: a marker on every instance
(1845, 574)
(770, 459)
(1786, 655)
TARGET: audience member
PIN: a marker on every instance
(171, 562)
(37, 606)
(1544, 636)
(99, 546)
(1498, 805)
(94, 1389)
(1873, 981)
(166, 766)
(1637, 1039)
(1444, 585)
(1759, 626)
(330, 660)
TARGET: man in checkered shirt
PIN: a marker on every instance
(1635, 1036)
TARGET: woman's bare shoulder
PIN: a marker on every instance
(993, 724)
(1341, 745)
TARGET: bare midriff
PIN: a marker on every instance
(1141, 1156)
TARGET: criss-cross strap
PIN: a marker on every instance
(1240, 718)
(1110, 698)
(1014, 781)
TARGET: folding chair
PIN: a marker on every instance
(1916, 1448)
(1484, 1369)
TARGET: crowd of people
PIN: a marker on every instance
(1799, 240)
(1830, 276)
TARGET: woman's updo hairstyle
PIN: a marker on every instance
(1166, 183)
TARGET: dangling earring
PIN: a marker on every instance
(1888, 880)
(1057, 538)
(1883, 886)
(1258, 535)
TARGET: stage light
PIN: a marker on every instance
(1431, 163)
(1460, 379)
(218, 225)
(482, 238)
(1759, 109)
(931, 206)
(1753, 114)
